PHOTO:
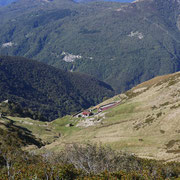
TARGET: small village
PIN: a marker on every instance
(95, 115)
(96, 110)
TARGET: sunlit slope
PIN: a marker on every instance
(147, 122)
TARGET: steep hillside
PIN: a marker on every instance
(144, 121)
(17, 161)
(121, 44)
(9, 108)
(16, 136)
(50, 91)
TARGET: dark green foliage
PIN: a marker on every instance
(171, 143)
(149, 120)
(14, 109)
(100, 33)
(16, 137)
(47, 90)
(159, 114)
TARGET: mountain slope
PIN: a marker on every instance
(19, 161)
(121, 44)
(145, 121)
(17, 136)
(50, 91)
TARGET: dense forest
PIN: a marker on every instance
(50, 91)
(14, 109)
(121, 44)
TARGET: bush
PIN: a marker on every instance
(90, 161)
(94, 158)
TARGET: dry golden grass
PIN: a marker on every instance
(143, 125)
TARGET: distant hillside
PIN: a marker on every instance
(121, 44)
(50, 91)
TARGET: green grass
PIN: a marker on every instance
(60, 125)
(38, 128)
(48, 132)
(121, 112)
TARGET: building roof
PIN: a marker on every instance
(86, 112)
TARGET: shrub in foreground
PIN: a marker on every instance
(90, 161)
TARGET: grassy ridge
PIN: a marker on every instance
(146, 122)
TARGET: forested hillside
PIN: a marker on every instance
(121, 44)
(50, 91)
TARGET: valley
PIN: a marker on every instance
(145, 122)
(120, 44)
